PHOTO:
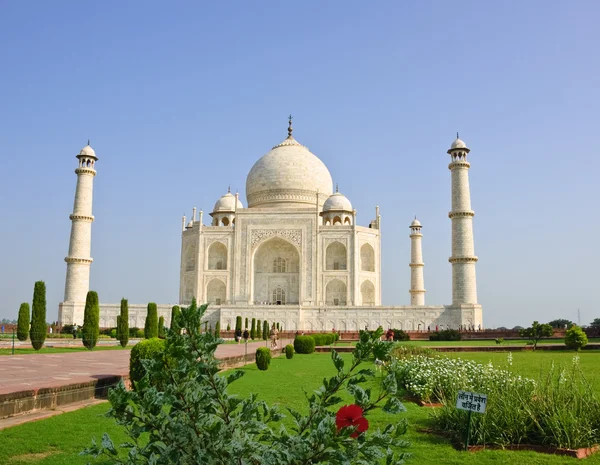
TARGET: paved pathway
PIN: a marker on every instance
(35, 371)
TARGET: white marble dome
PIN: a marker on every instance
(87, 151)
(227, 204)
(288, 176)
(416, 223)
(458, 144)
(337, 202)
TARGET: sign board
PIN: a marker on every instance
(471, 401)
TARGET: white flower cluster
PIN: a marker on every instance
(439, 378)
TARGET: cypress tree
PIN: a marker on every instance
(151, 324)
(265, 330)
(37, 333)
(246, 323)
(218, 329)
(161, 327)
(91, 320)
(277, 326)
(123, 323)
(258, 330)
(228, 327)
(253, 329)
(23, 322)
(238, 323)
(175, 312)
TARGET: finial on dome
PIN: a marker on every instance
(290, 128)
(88, 142)
(457, 135)
(337, 189)
(229, 189)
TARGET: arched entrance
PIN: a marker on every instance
(276, 273)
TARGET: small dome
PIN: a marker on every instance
(87, 151)
(458, 144)
(227, 204)
(190, 225)
(416, 223)
(337, 202)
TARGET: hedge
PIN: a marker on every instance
(289, 351)
(445, 335)
(324, 339)
(143, 350)
(263, 358)
(304, 345)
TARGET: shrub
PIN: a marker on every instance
(238, 323)
(400, 335)
(175, 315)
(143, 350)
(218, 329)
(228, 327)
(37, 332)
(23, 322)
(289, 351)
(161, 327)
(253, 329)
(304, 345)
(246, 323)
(133, 331)
(258, 330)
(139, 334)
(123, 324)
(536, 332)
(445, 335)
(263, 358)
(151, 324)
(265, 333)
(113, 332)
(91, 320)
(575, 338)
(401, 351)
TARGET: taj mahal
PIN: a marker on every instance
(293, 254)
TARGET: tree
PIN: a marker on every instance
(536, 332)
(123, 324)
(265, 334)
(91, 320)
(23, 322)
(595, 323)
(561, 323)
(37, 333)
(175, 314)
(575, 338)
(181, 412)
(246, 323)
(258, 330)
(161, 327)
(151, 324)
(218, 329)
(238, 323)
(253, 329)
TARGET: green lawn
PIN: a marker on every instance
(56, 350)
(478, 343)
(59, 439)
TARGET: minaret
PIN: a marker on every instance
(463, 259)
(78, 260)
(417, 283)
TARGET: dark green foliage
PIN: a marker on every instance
(246, 323)
(561, 323)
(258, 330)
(161, 327)
(324, 339)
(23, 322)
(140, 334)
(277, 326)
(238, 323)
(151, 324)
(445, 335)
(228, 327)
(263, 358)
(575, 338)
(91, 320)
(595, 323)
(253, 329)
(536, 332)
(123, 324)
(113, 332)
(265, 331)
(400, 335)
(218, 329)
(175, 315)
(304, 345)
(37, 332)
(143, 350)
(289, 351)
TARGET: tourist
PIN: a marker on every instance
(246, 335)
(273, 333)
(238, 335)
(389, 335)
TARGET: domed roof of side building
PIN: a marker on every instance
(289, 176)
(87, 151)
(458, 144)
(415, 223)
(227, 204)
(337, 202)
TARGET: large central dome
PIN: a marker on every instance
(289, 176)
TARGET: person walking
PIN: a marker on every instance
(273, 333)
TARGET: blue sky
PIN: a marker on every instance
(181, 98)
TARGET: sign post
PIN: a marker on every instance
(472, 402)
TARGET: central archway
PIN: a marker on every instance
(276, 273)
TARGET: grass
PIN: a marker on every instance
(57, 350)
(59, 439)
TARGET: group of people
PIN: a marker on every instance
(273, 334)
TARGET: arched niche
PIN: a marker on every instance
(335, 292)
(367, 258)
(216, 292)
(217, 256)
(190, 258)
(276, 272)
(336, 256)
(367, 293)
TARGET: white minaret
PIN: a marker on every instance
(463, 259)
(417, 283)
(78, 260)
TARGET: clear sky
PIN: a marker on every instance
(181, 98)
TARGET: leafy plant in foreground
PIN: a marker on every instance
(181, 412)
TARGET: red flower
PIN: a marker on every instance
(351, 415)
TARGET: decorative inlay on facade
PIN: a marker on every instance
(282, 195)
(463, 259)
(292, 235)
(209, 242)
(459, 164)
(78, 260)
(81, 218)
(85, 171)
(458, 214)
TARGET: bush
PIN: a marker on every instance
(263, 358)
(151, 324)
(140, 334)
(265, 333)
(161, 327)
(113, 332)
(445, 335)
(91, 320)
(401, 351)
(123, 324)
(37, 332)
(218, 330)
(23, 322)
(400, 335)
(175, 315)
(238, 323)
(575, 338)
(304, 345)
(324, 339)
(258, 330)
(143, 350)
(228, 327)
(253, 329)
(289, 351)
(246, 323)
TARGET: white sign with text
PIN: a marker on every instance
(471, 401)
